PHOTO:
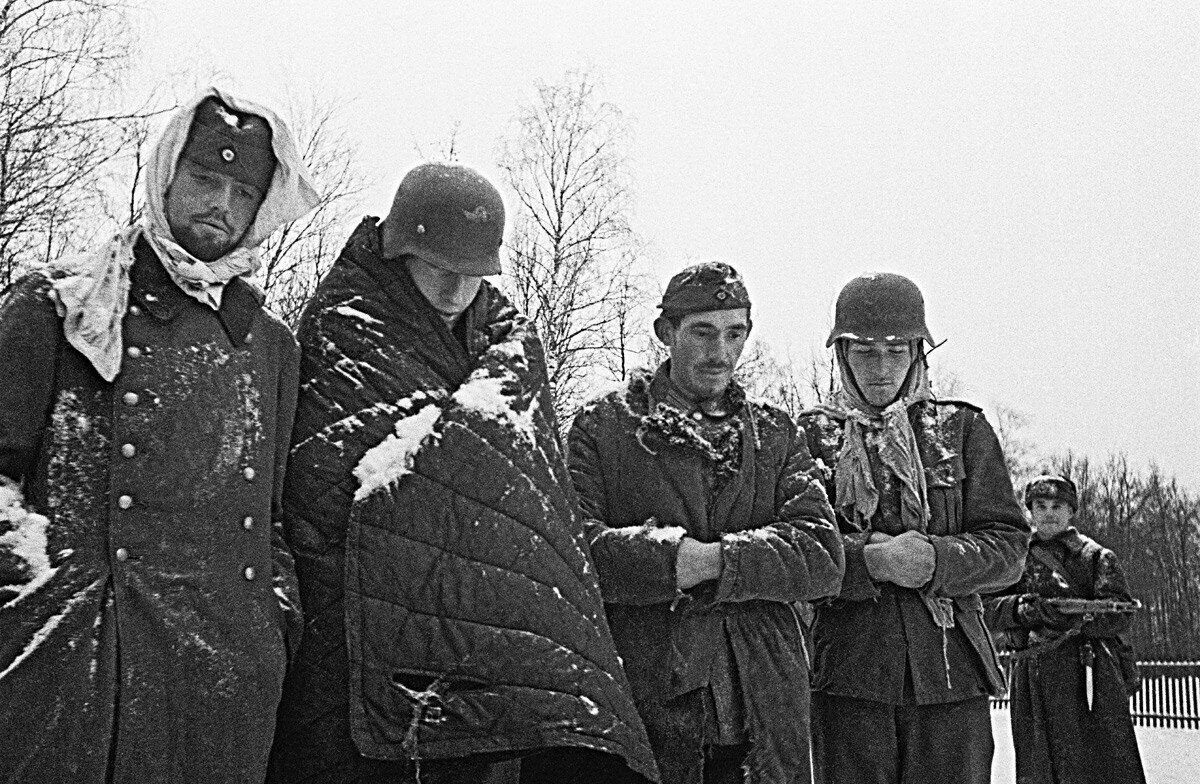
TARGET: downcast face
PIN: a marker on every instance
(209, 212)
(879, 368)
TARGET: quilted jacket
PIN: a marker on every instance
(641, 475)
(453, 608)
(155, 648)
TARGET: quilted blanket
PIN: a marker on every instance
(437, 534)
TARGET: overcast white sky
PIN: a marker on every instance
(1034, 167)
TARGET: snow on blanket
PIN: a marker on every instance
(388, 461)
(24, 535)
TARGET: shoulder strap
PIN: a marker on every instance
(1051, 561)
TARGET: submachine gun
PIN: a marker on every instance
(1090, 608)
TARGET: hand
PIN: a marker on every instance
(696, 562)
(908, 560)
(1034, 612)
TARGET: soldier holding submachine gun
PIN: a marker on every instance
(1072, 671)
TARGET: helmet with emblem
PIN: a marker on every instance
(449, 216)
(880, 307)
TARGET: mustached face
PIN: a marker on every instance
(450, 293)
(879, 369)
(209, 212)
(705, 349)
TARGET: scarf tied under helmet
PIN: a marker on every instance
(890, 431)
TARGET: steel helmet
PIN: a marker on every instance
(880, 306)
(449, 216)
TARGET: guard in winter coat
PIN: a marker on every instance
(707, 527)
(1069, 725)
(903, 662)
(454, 617)
(146, 399)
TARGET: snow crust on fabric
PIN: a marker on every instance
(437, 536)
(24, 537)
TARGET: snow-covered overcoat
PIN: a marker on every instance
(641, 475)
(1058, 739)
(141, 639)
(454, 608)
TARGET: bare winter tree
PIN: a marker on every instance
(442, 150)
(298, 255)
(1011, 425)
(572, 254)
(59, 64)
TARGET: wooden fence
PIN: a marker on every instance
(1169, 696)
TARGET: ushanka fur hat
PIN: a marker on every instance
(1053, 487)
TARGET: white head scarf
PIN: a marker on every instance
(92, 290)
(893, 435)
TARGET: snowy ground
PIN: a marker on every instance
(1170, 756)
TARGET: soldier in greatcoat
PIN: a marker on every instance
(1073, 673)
(147, 600)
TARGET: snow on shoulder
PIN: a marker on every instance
(346, 311)
(484, 393)
(392, 458)
(24, 535)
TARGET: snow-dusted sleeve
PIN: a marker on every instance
(284, 582)
(989, 554)
(636, 564)
(822, 437)
(29, 344)
(1000, 610)
(1108, 582)
(798, 556)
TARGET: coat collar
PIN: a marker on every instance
(1070, 540)
(154, 290)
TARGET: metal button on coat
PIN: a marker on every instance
(125, 502)
(135, 310)
(250, 337)
(130, 398)
(133, 351)
(248, 523)
(249, 573)
(248, 472)
(122, 554)
(128, 450)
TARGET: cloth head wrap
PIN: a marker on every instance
(91, 291)
(890, 430)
